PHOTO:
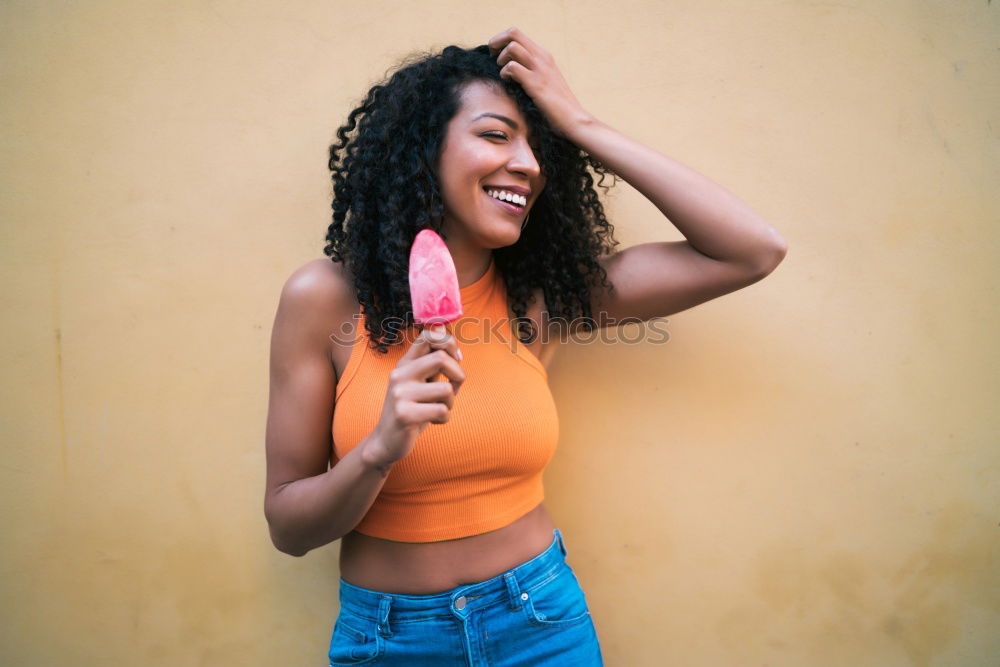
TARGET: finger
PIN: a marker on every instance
(450, 345)
(436, 362)
(450, 368)
(440, 339)
(425, 412)
(516, 52)
(498, 41)
(514, 70)
(518, 35)
(495, 45)
(430, 392)
(418, 348)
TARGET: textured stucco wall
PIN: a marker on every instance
(805, 474)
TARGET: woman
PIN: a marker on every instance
(448, 556)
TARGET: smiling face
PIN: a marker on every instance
(486, 148)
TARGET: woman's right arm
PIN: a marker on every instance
(305, 504)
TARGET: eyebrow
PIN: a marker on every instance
(511, 123)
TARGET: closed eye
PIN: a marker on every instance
(498, 135)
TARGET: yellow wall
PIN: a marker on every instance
(805, 474)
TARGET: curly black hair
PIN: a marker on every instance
(385, 190)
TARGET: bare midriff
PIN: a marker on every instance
(427, 568)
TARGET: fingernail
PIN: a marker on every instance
(459, 355)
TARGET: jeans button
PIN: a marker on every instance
(460, 603)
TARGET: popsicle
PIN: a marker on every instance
(434, 290)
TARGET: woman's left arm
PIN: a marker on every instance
(728, 245)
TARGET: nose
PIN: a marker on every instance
(523, 160)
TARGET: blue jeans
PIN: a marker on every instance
(535, 614)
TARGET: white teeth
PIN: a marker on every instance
(520, 200)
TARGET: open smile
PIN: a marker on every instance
(513, 209)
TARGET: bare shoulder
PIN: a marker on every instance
(321, 287)
(319, 279)
(320, 298)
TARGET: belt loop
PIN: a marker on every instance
(383, 616)
(562, 545)
(514, 590)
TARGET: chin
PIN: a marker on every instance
(506, 236)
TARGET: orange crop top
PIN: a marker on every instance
(482, 469)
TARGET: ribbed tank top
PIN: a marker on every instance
(482, 469)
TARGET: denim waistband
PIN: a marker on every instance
(507, 587)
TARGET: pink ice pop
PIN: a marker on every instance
(434, 289)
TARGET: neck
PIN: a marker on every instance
(471, 261)
(471, 269)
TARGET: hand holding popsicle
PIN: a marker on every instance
(413, 398)
(434, 290)
(412, 401)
